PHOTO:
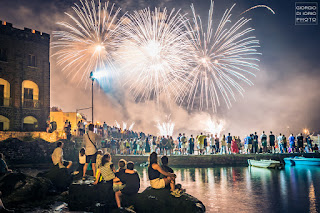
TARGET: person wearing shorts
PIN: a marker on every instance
(90, 140)
(154, 171)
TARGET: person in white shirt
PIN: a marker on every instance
(280, 143)
(57, 157)
(90, 142)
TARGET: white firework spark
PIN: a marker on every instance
(224, 58)
(155, 55)
(165, 128)
(87, 42)
(124, 125)
(214, 127)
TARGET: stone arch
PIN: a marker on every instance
(4, 92)
(30, 123)
(4, 123)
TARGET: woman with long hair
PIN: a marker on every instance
(154, 171)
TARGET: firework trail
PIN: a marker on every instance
(155, 54)
(224, 57)
(257, 6)
(87, 42)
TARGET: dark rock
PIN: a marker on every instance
(60, 178)
(83, 196)
(162, 201)
(19, 188)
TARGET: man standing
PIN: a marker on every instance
(229, 140)
(90, 142)
(191, 145)
(300, 142)
(280, 143)
(216, 141)
(291, 143)
(255, 143)
(184, 144)
(271, 141)
(263, 139)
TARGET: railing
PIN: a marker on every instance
(5, 102)
(30, 103)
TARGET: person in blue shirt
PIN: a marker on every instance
(247, 144)
(229, 140)
(291, 143)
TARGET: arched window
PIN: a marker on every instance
(4, 92)
(30, 94)
(4, 123)
(30, 123)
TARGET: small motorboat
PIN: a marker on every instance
(265, 163)
(302, 161)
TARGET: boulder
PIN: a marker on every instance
(160, 200)
(84, 196)
(60, 178)
(19, 188)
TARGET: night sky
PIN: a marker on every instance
(285, 97)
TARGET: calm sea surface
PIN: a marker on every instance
(249, 189)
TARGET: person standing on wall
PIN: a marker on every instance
(90, 142)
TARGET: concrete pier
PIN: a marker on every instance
(212, 160)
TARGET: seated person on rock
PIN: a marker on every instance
(117, 184)
(131, 178)
(154, 171)
(57, 157)
(106, 170)
(166, 168)
(3, 166)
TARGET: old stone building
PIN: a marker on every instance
(24, 79)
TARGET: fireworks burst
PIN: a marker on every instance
(166, 128)
(86, 44)
(155, 54)
(224, 58)
(215, 128)
(124, 125)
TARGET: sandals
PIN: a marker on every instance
(178, 192)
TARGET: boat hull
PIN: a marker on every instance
(265, 163)
(302, 161)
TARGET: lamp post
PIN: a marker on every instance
(92, 80)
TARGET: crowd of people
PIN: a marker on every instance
(124, 180)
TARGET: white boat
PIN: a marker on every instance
(265, 163)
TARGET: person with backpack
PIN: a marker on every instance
(90, 142)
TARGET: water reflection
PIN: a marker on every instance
(249, 189)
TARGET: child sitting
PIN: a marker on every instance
(117, 184)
